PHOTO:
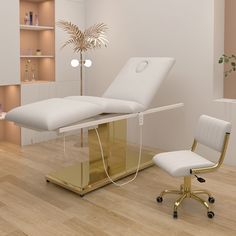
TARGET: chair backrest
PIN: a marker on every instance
(211, 132)
(140, 79)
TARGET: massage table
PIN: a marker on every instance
(129, 96)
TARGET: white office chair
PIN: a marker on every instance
(210, 132)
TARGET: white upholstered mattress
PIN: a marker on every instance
(52, 114)
(109, 105)
(132, 91)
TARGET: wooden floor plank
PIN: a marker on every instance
(6, 227)
(29, 206)
(17, 233)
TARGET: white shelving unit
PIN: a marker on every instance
(14, 91)
(36, 27)
(37, 37)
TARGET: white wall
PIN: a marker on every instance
(10, 46)
(189, 30)
(69, 10)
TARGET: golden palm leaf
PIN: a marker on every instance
(92, 38)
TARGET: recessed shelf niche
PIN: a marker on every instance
(37, 40)
(9, 98)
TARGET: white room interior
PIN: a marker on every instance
(194, 32)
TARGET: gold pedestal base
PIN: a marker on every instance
(70, 178)
(186, 192)
(121, 160)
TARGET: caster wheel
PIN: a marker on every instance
(47, 180)
(211, 199)
(175, 215)
(210, 214)
(159, 199)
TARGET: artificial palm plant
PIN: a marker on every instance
(92, 38)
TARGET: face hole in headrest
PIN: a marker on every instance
(141, 66)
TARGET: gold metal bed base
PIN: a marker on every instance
(121, 160)
(121, 157)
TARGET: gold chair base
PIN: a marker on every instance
(186, 192)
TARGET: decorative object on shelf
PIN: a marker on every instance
(33, 72)
(38, 52)
(92, 38)
(36, 19)
(31, 17)
(26, 19)
(27, 65)
(228, 60)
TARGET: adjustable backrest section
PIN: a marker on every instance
(211, 132)
(140, 79)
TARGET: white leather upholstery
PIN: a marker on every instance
(109, 105)
(179, 163)
(53, 113)
(211, 132)
(131, 92)
(140, 79)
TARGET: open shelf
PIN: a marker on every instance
(36, 56)
(39, 69)
(36, 27)
(37, 82)
(44, 9)
(9, 98)
(40, 37)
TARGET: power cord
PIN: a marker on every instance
(141, 121)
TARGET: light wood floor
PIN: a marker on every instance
(30, 206)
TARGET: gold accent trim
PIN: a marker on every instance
(204, 203)
(220, 161)
(170, 192)
(55, 178)
(179, 201)
(194, 145)
(186, 192)
(81, 94)
(202, 191)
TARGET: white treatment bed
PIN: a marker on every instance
(131, 92)
(129, 95)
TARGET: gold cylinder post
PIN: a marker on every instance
(187, 184)
(81, 73)
(81, 93)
